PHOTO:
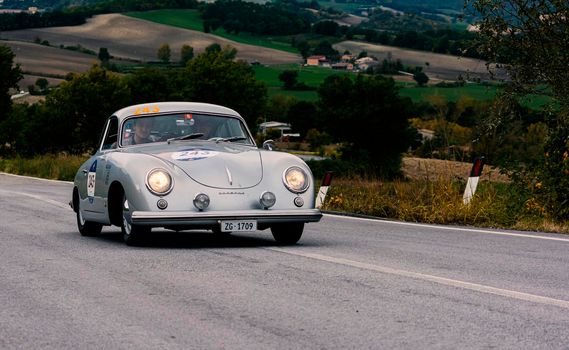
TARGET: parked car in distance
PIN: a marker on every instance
(185, 165)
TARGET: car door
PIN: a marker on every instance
(99, 169)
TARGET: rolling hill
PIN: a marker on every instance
(436, 66)
(136, 39)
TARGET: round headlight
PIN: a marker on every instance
(159, 182)
(295, 179)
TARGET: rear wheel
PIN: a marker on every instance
(132, 234)
(87, 228)
(287, 234)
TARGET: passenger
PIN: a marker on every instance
(206, 126)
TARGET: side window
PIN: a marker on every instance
(110, 140)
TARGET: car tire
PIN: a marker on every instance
(133, 235)
(87, 228)
(287, 234)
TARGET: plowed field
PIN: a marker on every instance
(132, 38)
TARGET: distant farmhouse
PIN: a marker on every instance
(316, 61)
(30, 10)
(347, 62)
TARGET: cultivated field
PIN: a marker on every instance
(132, 38)
(43, 61)
(444, 67)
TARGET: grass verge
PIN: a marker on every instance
(495, 205)
(55, 167)
(439, 201)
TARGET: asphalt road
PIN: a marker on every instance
(349, 284)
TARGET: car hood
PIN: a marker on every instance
(213, 164)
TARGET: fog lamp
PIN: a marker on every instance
(268, 199)
(162, 204)
(201, 201)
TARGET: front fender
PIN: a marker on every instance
(130, 170)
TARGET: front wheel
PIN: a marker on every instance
(287, 234)
(87, 228)
(132, 234)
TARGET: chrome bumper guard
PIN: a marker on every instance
(192, 218)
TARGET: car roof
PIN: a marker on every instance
(166, 107)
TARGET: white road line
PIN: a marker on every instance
(463, 229)
(39, 198)
(36, 178)
(435, 279)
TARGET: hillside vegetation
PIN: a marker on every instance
(136, 39)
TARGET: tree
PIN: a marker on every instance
(104, 55)
(369, 117)
(421, 78)
(304, 48)
(328, 28)
(288, 77)
(215, 77)
(75, 113)
(303, 117)
(164, 53)
(325, 48)
(187, 53)
(530, 39)
(10, 75)
(213, 48)
(42, 84)
(153, 84)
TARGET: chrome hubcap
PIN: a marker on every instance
(81, 218)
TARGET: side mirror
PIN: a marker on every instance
(269, 145)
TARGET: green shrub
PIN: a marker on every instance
(56, 167)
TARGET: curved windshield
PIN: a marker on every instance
(182, 126)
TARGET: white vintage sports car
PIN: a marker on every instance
(183, 165)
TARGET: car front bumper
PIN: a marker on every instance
(204, 219)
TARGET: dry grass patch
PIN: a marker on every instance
(437, 169)
(497, 205)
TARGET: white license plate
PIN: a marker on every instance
(238, 226)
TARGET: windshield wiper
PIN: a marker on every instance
(231, 139)
(186, 137)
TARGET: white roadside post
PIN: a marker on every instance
(473, 180)
(323, 189)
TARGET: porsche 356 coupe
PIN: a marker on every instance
(185, 165)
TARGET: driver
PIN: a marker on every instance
(141, 128)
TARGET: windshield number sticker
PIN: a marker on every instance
(146, 109)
